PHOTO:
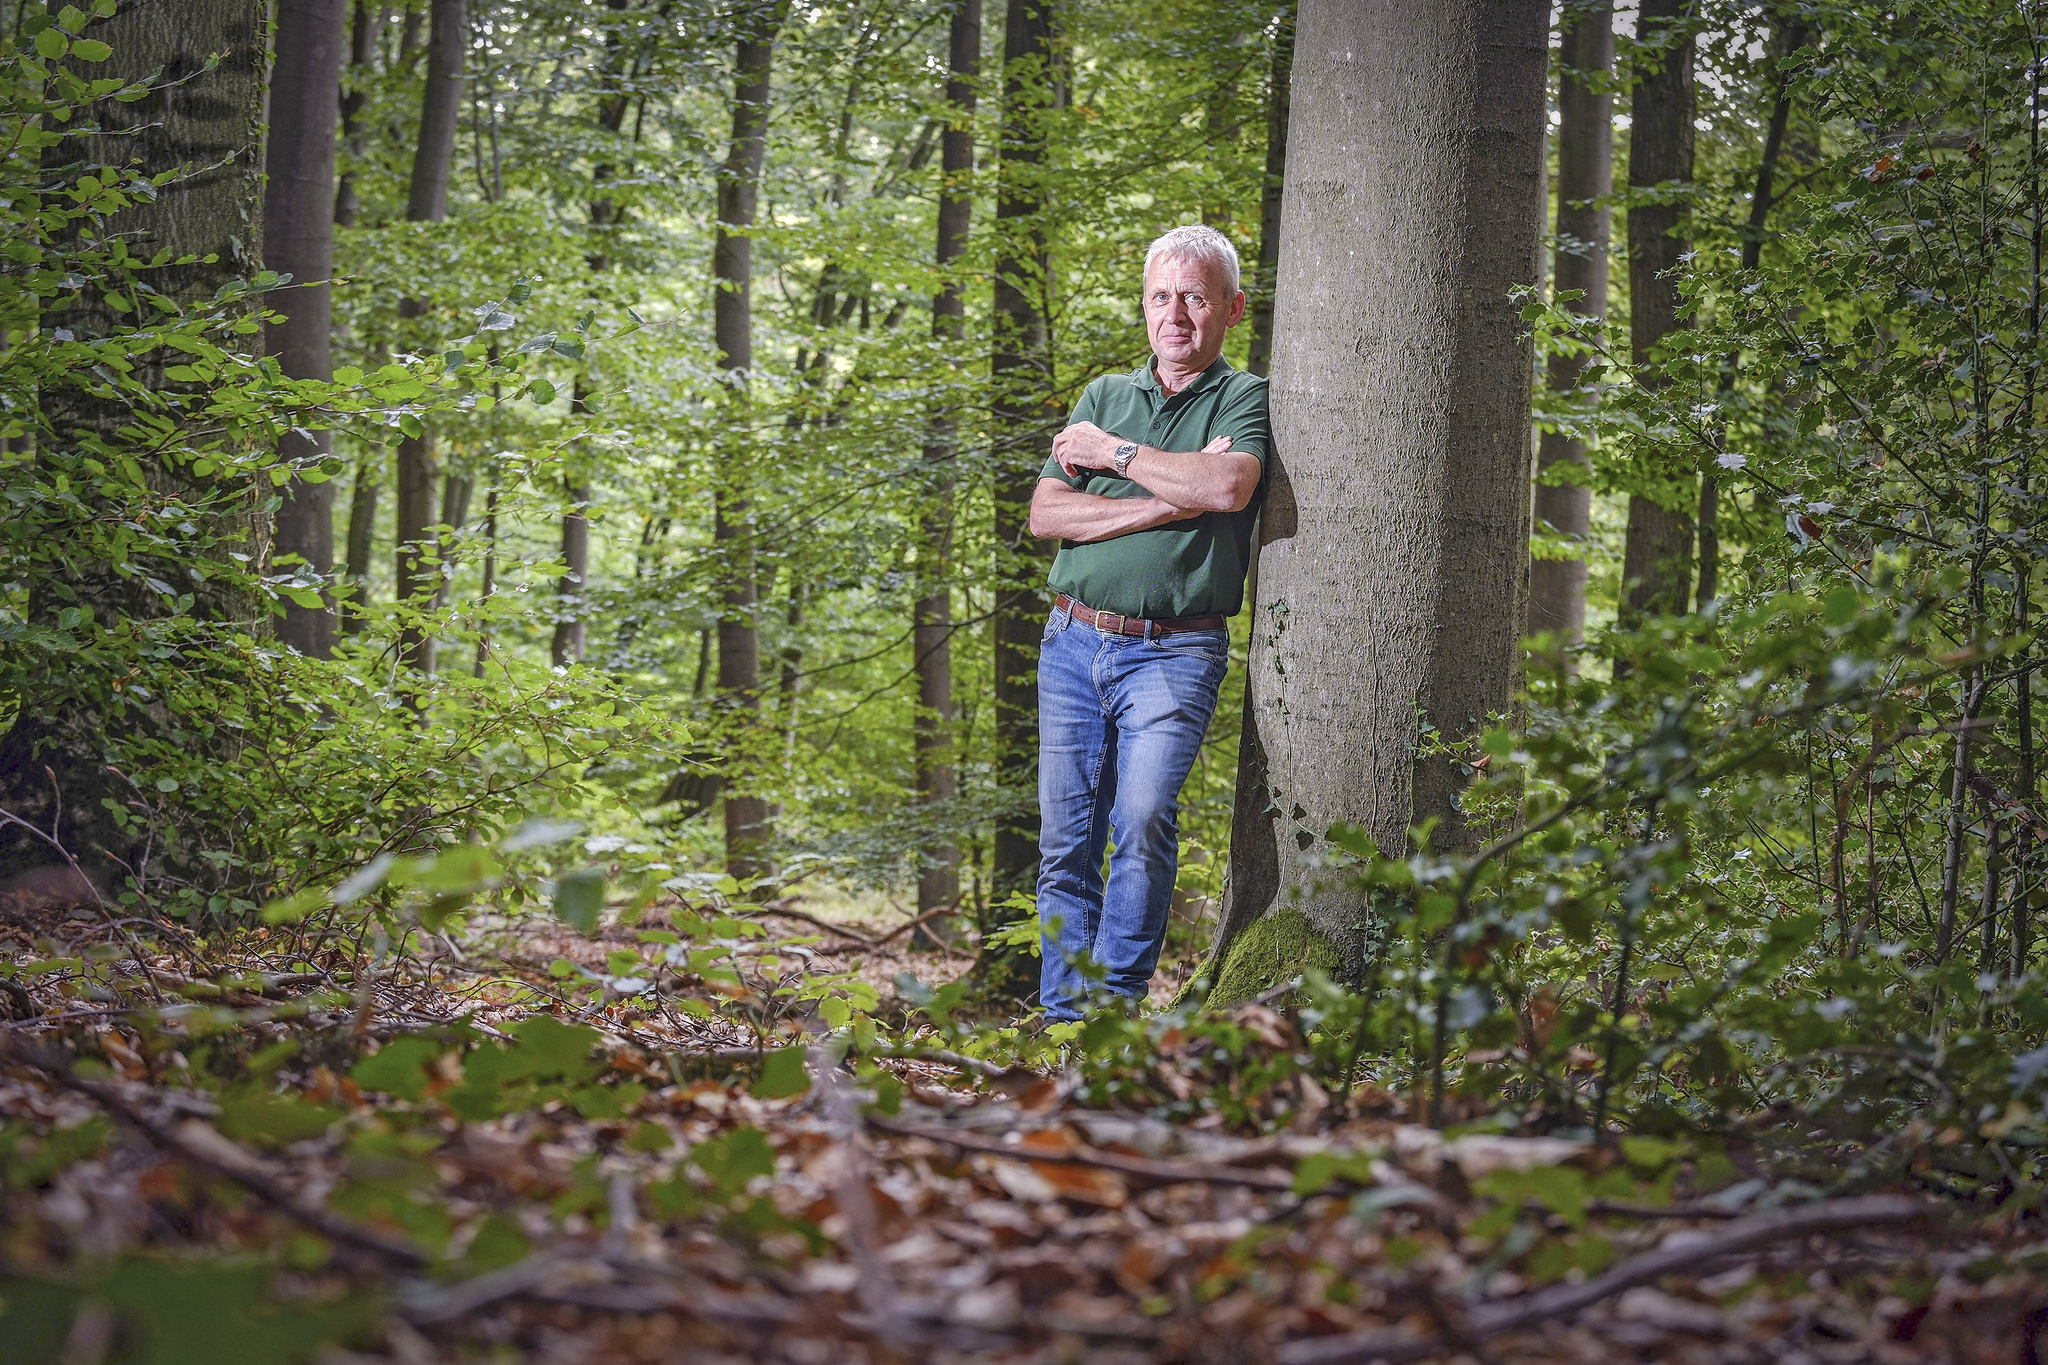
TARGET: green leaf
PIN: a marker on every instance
(550, 1048)
(542, 392)
(90, 50)
(52, 44)
(732, 1160)
(71, 19)
(460, 869)
(274, 1119)
(399, 1068)
(608, 1101)
(782, 1074)
(579, 898)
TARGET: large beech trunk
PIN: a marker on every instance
(54, 770)
(732, 266)
(1585, 177)
(298, 240)
(1021, 377)
(1394, 562)
(419, 468)
(938, 882)
(1657, 559)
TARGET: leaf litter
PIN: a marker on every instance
(451, 1155)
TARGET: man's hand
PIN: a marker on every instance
(1087, 446)
(1084, 446)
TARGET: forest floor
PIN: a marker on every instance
(666, 1212)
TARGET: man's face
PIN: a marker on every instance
(1188, 309)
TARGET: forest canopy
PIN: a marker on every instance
(518, 627)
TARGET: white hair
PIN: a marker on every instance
(1199, 244)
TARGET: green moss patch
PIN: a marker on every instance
(1279, 945)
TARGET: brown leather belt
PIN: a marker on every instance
(1113, 623)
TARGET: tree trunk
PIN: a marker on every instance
(361, 45)
(1585, 176)
(1657, 560)
(433, 165)
(362, 531)
(1260, 360)
(54, 765)
(938, 882)
(1394, 568)
(298, 240)
(1791, 37)
(568, 644)
(572, 589)
(1021, 376)
(732, 266)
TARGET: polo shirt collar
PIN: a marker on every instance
(1146, 377)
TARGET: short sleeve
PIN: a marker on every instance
(1084, 411)
(1242, 416)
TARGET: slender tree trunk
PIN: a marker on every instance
(1394, 569)
(938, 882)
(490, 584)
(1585, 177)
(298, 240)
(1792, 37)
(569, 639)
(362, 530)
(361, 47)
(1021, 376)
(209, 59)
(362, 507)
(1278, 86)
(433, 166)
(572, 589)
(1657, 558)
(732, 266)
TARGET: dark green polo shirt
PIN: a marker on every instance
(1184, 568)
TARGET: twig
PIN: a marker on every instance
(1394, 1345)
(203, 1146)
(1144, 1168)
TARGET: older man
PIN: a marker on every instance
(1152, 491)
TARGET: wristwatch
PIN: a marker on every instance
(1120, 459)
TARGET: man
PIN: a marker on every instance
(1152, 491)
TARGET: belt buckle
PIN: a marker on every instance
(1102, 622)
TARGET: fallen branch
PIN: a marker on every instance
(927, 917)
(202, 1145)
(791, 912)
(1144, 1168)
(1679, 1253)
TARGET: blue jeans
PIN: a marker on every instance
(1120, 720)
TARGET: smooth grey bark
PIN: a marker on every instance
(747, 815)
(54, 768)
(433, 166)
(1260, 359)
(1657, 558)
(938, 882)
(1585, 177)
(1022, 383)
(298, 240)
(1394, 561)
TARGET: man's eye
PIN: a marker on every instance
(1197, 301)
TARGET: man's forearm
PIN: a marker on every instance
(1064, 513)
(1196, 479)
